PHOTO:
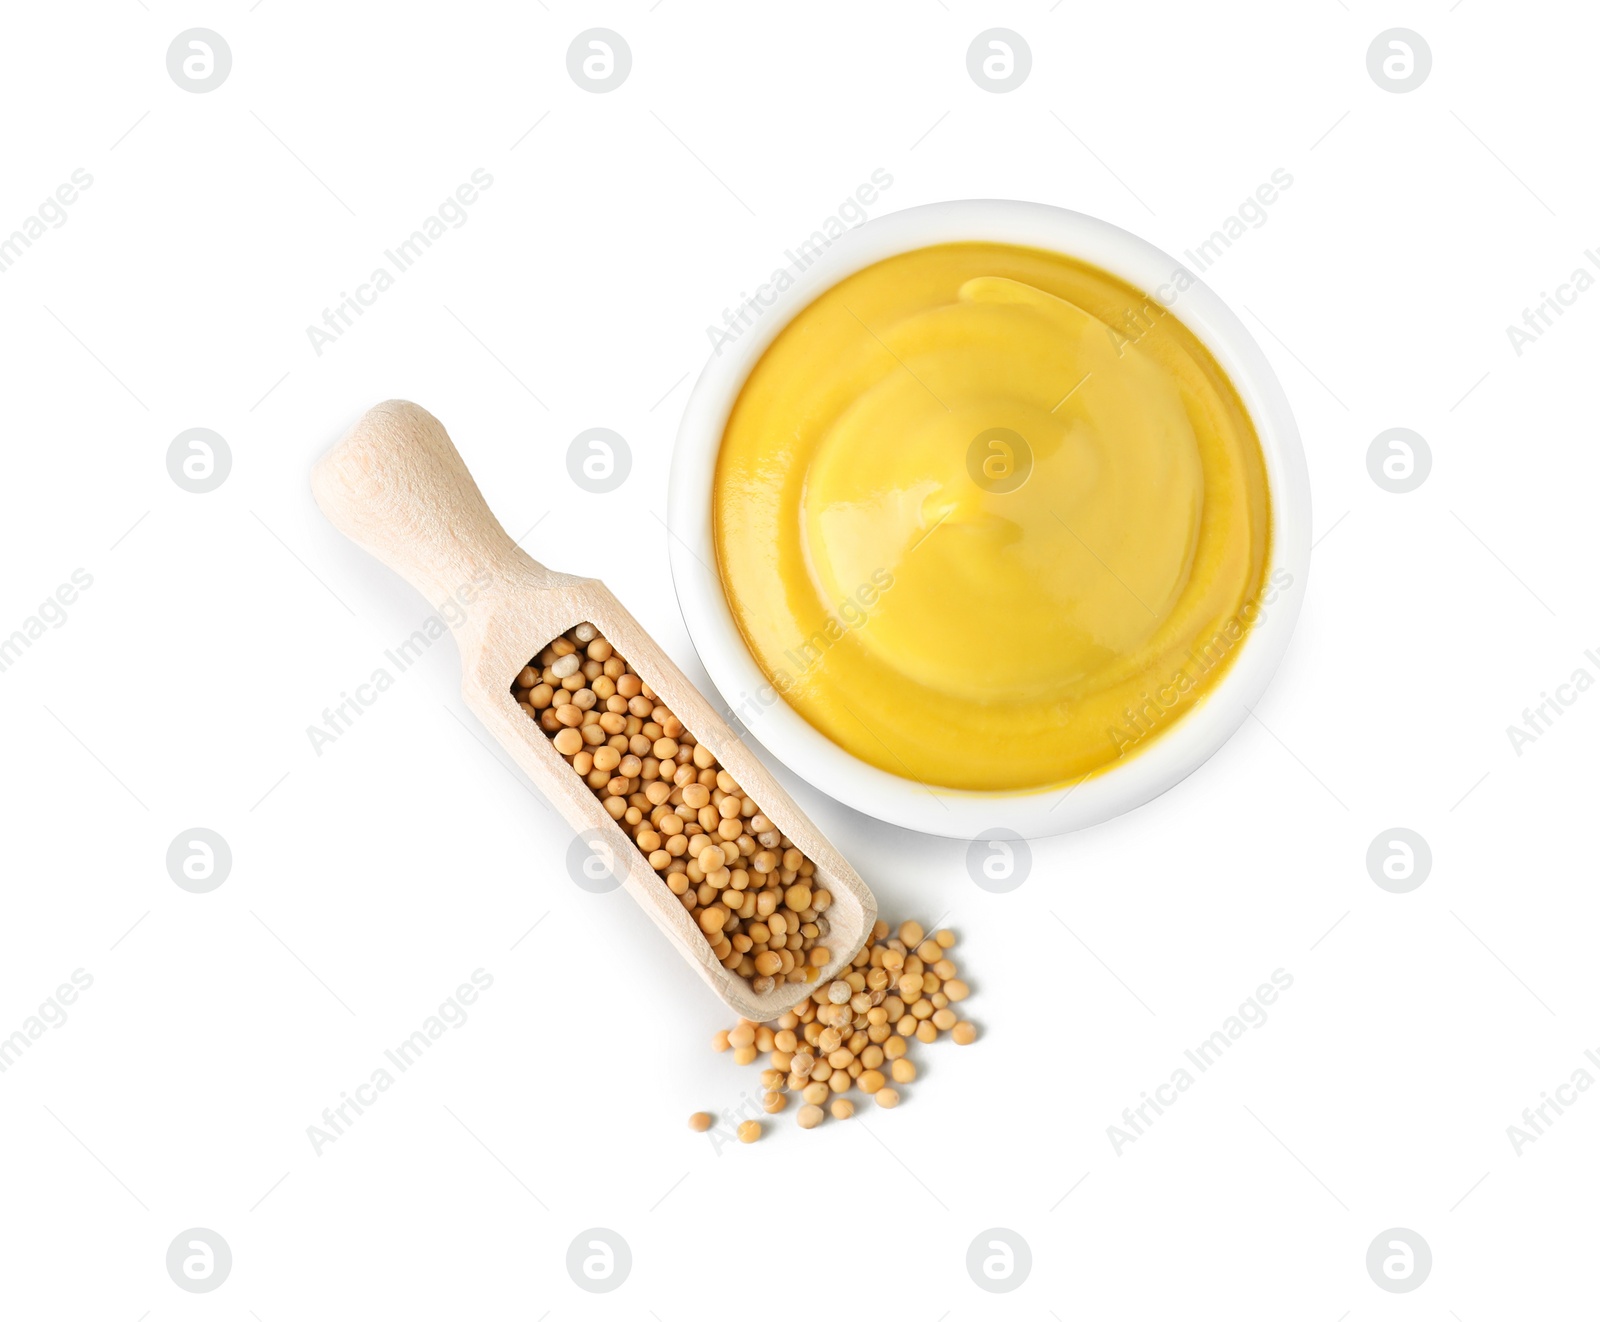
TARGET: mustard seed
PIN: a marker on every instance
(726, 861)
(749, 1131)
(850, 1034)
(701, 1121)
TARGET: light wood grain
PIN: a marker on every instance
(396, 485)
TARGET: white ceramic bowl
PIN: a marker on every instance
(1166, 759)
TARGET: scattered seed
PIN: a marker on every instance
(853, 1033)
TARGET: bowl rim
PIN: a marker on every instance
(753, 703)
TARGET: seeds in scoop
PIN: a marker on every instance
(701, 1121)
(744, 883)
(749, 1131)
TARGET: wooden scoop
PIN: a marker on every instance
(397, 486)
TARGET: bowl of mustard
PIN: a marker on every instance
(989, 515)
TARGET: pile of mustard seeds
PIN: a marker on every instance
(855, 1033)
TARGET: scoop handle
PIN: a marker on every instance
(396, 486)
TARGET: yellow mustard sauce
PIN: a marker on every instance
(989, 518)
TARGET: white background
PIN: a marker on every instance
(370, 881)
